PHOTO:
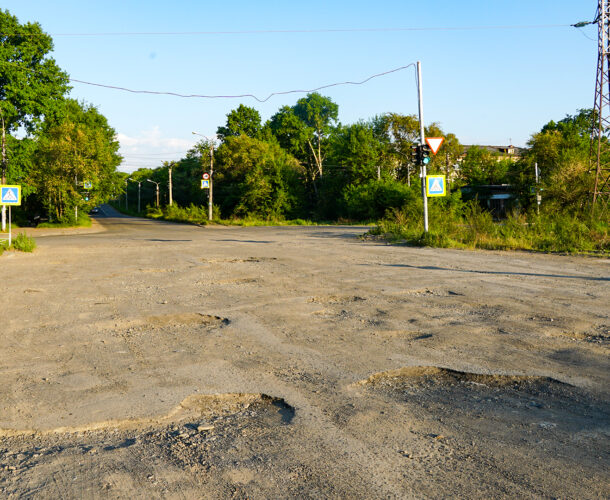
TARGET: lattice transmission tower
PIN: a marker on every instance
(601, 110)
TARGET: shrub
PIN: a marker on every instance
(24, 243)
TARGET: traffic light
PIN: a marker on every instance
(425, 154)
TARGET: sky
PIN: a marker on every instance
(493, 72)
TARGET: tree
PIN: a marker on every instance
(401, 133)
(257, 178)
(74, 144)
(320, 114)
(561, 150)
(243, 120)
(290, 131)
(356, 150)
(30, 81)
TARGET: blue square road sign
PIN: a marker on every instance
(10, 195)
(435, 185)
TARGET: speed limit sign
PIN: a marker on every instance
(206, 176)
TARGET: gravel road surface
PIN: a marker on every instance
(144, 359)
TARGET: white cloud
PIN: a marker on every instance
(150, 148)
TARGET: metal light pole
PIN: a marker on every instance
(171, 200)
(139, 187)
(127, 204)
(422, 141)
(157, 184)
(211, 193)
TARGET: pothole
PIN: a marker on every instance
(402, 334)
(234, 261)
(426, 292)
(193, 408)
(422, 375)
(484, 403)
(187, 319)
(335, 299)
(174, 455)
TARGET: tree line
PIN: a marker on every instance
(51, 145)
(300, 163)
(304, 163)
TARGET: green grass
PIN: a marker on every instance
(194, 214)
(21, 243)
(24, 243)
(471, 227)
(83, 221)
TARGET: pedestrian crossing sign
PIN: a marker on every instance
(10, 195)
(435, 185)
(205, 184)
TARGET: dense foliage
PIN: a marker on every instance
(50, 144)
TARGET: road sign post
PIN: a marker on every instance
(10, 195)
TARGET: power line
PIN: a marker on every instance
(203, 96)
(297, 31)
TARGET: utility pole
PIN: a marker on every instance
(76, 206)
(422, 142)
(211, 188)
(211, 203)
(170, 186)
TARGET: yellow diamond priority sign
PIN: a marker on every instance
(10, 195)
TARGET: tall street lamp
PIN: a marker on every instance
(139, 188)
(157, 184)
(211, 142)
(126, 204)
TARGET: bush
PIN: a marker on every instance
(24, 243)
(455, 224)
(370, 201)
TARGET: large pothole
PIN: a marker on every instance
(493, 403)
(173, 455)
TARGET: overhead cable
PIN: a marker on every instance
(238, 96)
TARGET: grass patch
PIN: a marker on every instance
(24, 243)
(469, 226)
(194, 214)
(21, 242)
(83, 221)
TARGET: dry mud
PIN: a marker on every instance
(154, 360)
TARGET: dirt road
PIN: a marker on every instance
(152, 360)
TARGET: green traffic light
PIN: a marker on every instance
(426, 161)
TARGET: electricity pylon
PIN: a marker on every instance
(601, 109)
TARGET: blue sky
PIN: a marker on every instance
(487, 86)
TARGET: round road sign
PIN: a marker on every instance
(206, 176)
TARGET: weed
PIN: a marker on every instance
(24, 243)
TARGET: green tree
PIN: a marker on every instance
(320, 115)
(75, 144)
(243, 120)
(401, 133)
(561, 150)
(256, 178)
(357, 152)
(480, 166)
(30, 81)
